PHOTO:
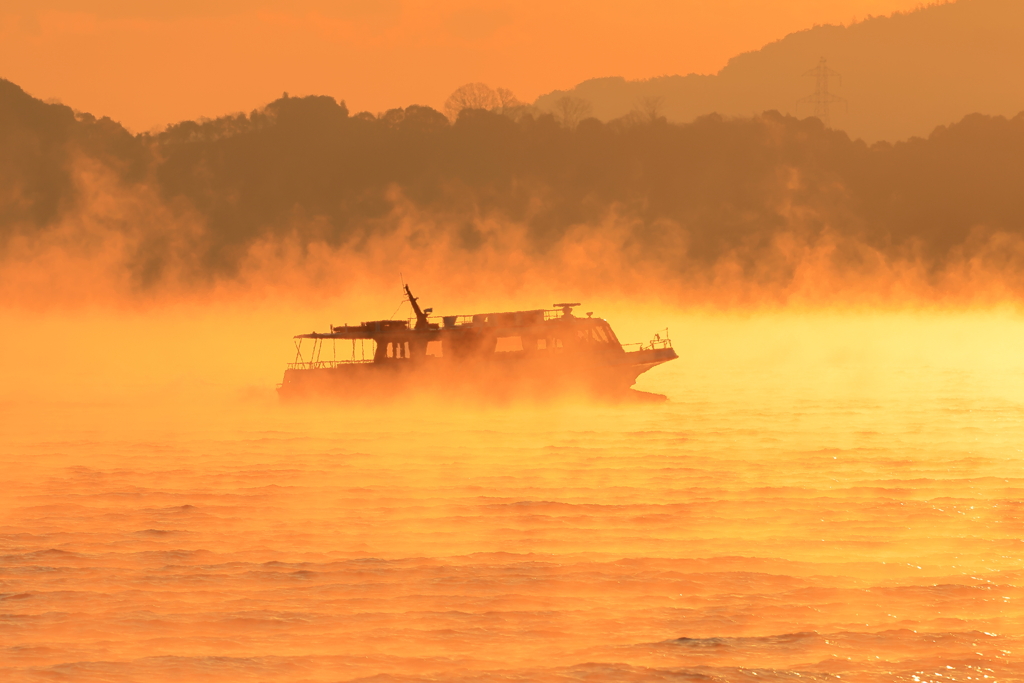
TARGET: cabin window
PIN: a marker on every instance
(434, 349)
(507, 344)
(391, 350)
(599, 335)
(542, 344)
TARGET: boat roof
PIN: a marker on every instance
(494, 323)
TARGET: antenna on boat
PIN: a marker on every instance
(402, 280)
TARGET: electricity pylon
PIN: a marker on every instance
(822, 99)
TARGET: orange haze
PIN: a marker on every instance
(150, 64)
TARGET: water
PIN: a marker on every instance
(823, 498)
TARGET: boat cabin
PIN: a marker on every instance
(518, 333)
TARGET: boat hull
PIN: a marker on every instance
(503, 376)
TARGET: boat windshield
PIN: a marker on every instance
(599, 333)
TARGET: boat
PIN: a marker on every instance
(539, 352)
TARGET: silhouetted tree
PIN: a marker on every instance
(572, 110)
(649, 109)
(471, 96)
(507, 101)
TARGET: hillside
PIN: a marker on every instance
(755, 195)
(901, 75)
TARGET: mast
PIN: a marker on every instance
(421, 317)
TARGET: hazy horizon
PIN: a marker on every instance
(769, 209)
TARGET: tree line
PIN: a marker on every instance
(307, 167)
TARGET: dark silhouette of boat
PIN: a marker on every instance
(517, 353)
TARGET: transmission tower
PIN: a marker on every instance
(822, 99)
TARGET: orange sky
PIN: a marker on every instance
(148, 64)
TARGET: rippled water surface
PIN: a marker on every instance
(837, 500)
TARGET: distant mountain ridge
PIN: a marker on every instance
(902, 75)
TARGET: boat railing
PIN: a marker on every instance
(491, 319)
(661, 340)
(325, 364)
(359, 355)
